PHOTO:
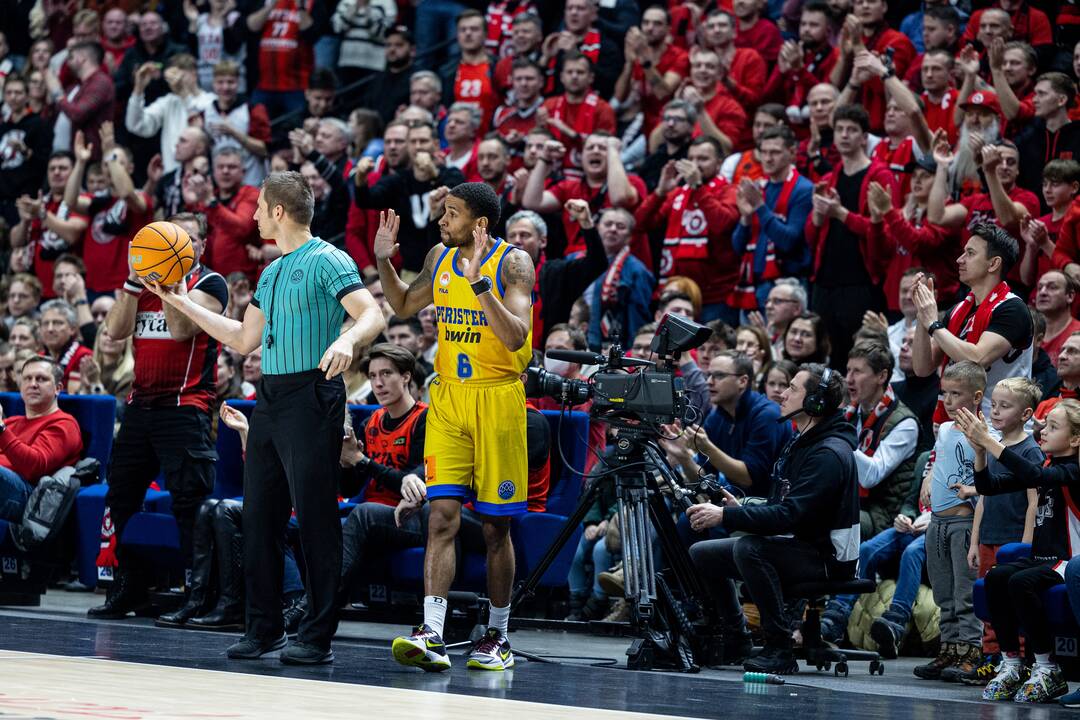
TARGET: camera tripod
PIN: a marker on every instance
(667, 637)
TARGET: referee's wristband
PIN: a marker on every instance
(132, 288)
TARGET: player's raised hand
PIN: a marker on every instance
(386, 244)
(471, 267)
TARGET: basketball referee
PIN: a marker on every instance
(295, 441)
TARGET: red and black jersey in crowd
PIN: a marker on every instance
(394, 443)
(285, 59)
(47, 245)
(171, 373)
(981, 209)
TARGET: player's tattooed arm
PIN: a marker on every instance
(511, 318)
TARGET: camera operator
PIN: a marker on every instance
(807, 531)
(740, 437)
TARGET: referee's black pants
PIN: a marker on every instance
(175, 441)
(293, 461)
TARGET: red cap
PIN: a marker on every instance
(987, 99)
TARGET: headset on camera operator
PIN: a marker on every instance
(807, 531)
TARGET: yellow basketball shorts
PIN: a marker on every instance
(475, 445)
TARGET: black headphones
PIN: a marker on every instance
(816, 403)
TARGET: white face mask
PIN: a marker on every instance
(559, 367)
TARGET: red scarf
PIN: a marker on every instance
(687, 234)
(609, 294)
(970, 328)
(744, 295)
(870, 434)
(589, 47)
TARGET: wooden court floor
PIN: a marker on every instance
(34, 685)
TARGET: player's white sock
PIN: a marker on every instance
(435, 612)
(498, 617)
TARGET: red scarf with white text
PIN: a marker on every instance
(744, 295)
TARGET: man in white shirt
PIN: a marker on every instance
(171, 113)
(888, 437)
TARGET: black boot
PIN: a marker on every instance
(293, 613)
(202, 549)
(127, 594)
(228, 614)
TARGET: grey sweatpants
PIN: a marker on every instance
(947, 543)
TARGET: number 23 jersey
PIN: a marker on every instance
(469, 351)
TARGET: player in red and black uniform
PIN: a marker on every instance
(389, 462)
(167, 424)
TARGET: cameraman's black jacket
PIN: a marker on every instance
(815, 496)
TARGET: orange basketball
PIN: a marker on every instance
(162, 252)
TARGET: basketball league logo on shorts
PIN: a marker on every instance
(507, 489)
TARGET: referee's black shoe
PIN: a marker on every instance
(253, 649)
(301, 653)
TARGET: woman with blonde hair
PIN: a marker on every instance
(110, 370)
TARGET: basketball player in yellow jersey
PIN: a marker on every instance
(474, 448)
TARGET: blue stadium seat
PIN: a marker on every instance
(570, 433)
(533, 534)
(96, 415)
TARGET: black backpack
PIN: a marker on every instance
(50, 503)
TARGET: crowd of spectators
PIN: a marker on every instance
(886, 190)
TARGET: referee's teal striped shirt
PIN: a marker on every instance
(300, 295)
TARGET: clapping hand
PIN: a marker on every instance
(1033, 231)
(878, 200)
(875, 321)
(943, 151)
(974, 428)
(925, 300)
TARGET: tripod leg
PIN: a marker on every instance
(568, 529)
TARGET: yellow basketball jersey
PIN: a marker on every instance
(469, 350)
